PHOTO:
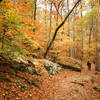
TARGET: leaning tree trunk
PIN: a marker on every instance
(57, 29)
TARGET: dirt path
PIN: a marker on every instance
(67, 85)
(70, 85)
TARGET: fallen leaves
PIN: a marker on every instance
(54, 87)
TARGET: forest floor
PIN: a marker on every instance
(67, 85)
(71, 85)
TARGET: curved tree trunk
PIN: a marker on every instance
(57, 29)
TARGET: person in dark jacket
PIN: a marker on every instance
(89, 65)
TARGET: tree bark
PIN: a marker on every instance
(57, 29)
(35, 9)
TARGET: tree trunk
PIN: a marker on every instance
(68, 27)
(97, 61)
(45, 16)
(57, 29)
(90, 41)
(74, 36)
(98, 54)
(35, 7)
(50, 23)
(82, 43)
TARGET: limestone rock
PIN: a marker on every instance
(51, 67)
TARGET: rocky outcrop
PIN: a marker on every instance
(51, 67)
(70, 63)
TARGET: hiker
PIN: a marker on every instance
(89, 65)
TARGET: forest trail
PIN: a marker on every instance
(37, 37)
(70, 85)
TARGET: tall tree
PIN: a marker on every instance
(57, 29)
(35, 8)
(74, 35)
(97, 61)
(82, 44)
(50, 21)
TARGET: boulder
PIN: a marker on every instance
(70, 63)
(51, 67)
(24, 62)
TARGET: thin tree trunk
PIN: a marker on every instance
(35, 8)
(57, 20)
(74, 37)
(97, 61)
(82, 43)
(45, 15)
(68, 18)
(68, 27)
(50, 23)
(90, 40)
(62, 20)
(57, 29)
